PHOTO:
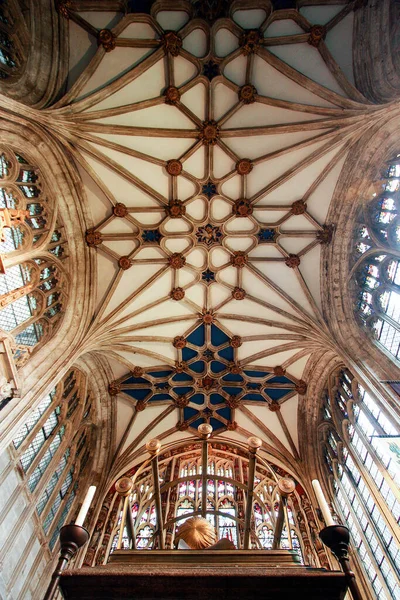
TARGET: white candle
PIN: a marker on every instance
(322, 503)
(85, 506)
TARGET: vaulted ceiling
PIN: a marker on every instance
(209, 155)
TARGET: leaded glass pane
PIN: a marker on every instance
(14, 278)
(51, 485)
(35, 446)
(31, 335)
(16, 313)
(13, 239)
(7, 198)
(32, 419)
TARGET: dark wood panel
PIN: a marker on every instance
(164, 576)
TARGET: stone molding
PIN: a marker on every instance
(376, 54)
(46, 56)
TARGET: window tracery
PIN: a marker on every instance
(365, 478)
(52, 449)
(376, 270)
(33, 292)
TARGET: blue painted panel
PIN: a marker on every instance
(188, 353)
(267, 236)
(232, 377)
(160, 373)
(164, 385)
(160, 397)
(280, 380)
(218, 337)
(197, 422)
(131, 380)
(197, 337)
(182, 390)
(216, 399)
(216, 424)
(138, 394)
(198, 366)
(151, 236)
(276, 394)
(217, 367)
(257, 397)
(189, 412)
(256, 373)
(227, 353)
(197, 398)
(182, 377)
(233, 391)
(253, 386)
(225, 413)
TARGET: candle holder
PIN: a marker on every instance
(337, 538)
(72, 537)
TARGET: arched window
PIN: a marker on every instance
(33, 292)
(360, 453)
(376, 272)
(53, 450)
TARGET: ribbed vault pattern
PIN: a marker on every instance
(209, 156)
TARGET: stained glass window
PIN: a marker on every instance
(376, 268)
(365, 478)
(185, 507)
(220, 497)
(53, 450)
(144, 537)
(226, 523)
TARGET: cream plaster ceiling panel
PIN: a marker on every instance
(209, 156)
